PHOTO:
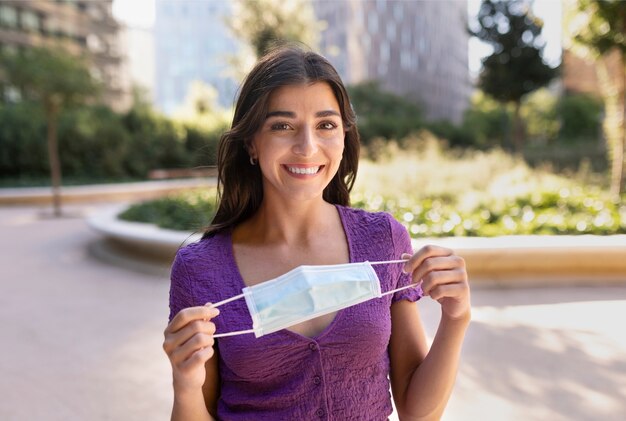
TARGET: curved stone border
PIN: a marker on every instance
(507, 260)
(141, 190)
(139, 239)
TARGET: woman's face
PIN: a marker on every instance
(300, 144)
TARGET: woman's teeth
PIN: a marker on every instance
(310, 170)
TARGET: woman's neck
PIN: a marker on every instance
(293, 222)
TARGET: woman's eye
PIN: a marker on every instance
(327, 125)
(280, 126)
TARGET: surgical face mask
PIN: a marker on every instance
(307, 292)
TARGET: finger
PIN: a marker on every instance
(442, 277)
(432, 264)
(456, 290)
(424, 253)
(198, 358)
(190, 314)
(186, 350)
(174, 340)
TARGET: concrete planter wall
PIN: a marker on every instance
(505, 261)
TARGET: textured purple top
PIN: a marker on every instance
(340, 374)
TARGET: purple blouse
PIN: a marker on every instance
(340, 374)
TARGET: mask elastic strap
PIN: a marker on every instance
(238, 332)
(415, 285)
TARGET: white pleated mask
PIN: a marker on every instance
(307, 292)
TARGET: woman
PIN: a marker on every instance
(286, 168)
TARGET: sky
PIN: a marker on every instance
(140, 13)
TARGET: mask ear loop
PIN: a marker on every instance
(238, 332)
(417, 285)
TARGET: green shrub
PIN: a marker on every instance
(382, 114)
(487, 122)
(23, 149)
(96, 143)
(185, 212)
(581, 117)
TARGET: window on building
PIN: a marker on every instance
(406, 38)
(398, 11)
(406, 60)
(385, 51)
(391, 31)
(381, 6)
(30, 21)
(94, 43)
(8, 16)
(372, 23)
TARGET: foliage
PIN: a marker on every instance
(186, 212)
(50, 75)
(580, 116)
(22, 146)
(571, 123)
(382, 114)
(98, 143)
(201, 109)
(539, 111)
(516, 67)
(426, 188)
(487, 121)
(56, 80)
(598, 32)
(603, 30)
(263, 23)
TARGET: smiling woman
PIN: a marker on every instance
(301, 139)
(286, 168)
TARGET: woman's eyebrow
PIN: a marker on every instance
(288, 114)
(291, 114)
(327, 113)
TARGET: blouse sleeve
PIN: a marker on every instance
(181, 294)
(402, 244)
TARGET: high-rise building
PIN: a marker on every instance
(82, 27)
(192, 42)
(417, 49)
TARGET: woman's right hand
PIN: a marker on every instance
(189, 345)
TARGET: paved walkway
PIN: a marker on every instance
(81, 339)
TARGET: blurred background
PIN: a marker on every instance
(495, 127)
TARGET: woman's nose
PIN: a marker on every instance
(306, 143)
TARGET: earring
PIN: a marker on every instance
(252, 161)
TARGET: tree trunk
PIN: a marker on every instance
(613, 124)
(518, 129)
(52, 113)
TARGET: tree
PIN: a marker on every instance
(56, 80)
(599, 28)
(263, 23)
(516, 66)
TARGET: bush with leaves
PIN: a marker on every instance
(581, 117)
(382, 114)
(98, 144)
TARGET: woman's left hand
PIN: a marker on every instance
(444, 279)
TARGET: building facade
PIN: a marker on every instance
(82, 27)
(416, 49)
(192, 43)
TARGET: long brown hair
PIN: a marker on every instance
(239, 185)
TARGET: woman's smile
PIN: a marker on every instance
(303, 171)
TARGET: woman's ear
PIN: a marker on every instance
(251, 149)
